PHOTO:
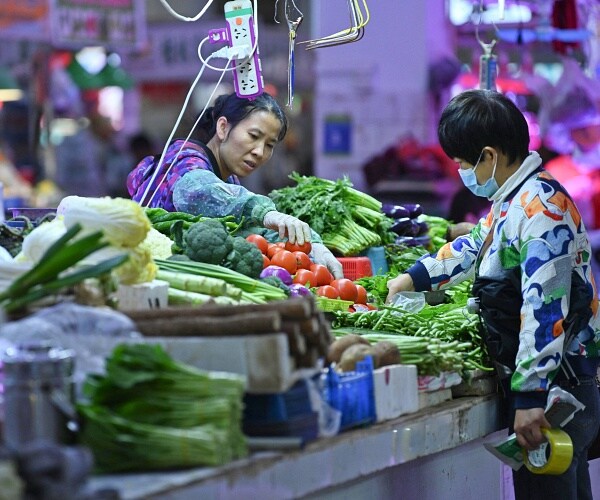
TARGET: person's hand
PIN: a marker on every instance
(287, 225)
(528, 427)
(321, 255)
(401, 283)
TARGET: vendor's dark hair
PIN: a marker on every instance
(235, 109)
(475, 119)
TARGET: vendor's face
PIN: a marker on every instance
(247, 146)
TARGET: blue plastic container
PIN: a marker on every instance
(280, 407)
(379, 263)
(353, 394)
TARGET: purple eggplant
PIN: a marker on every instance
(423, 228)
(414, 209)
(395, 211)
(406, 227)
(298, 290)
(413, 241)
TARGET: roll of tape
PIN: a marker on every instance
(553, 456)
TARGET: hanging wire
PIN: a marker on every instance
(358, 21)
(173, 130)
(185, 18)
(187, 99)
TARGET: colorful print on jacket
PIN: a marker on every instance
(538, 228)
(191, 156)
(192, 186)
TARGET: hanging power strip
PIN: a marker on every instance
(247, 78)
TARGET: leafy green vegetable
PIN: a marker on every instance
(253, 290)
(151, 412)
(450, 327)
(11, 238)
(123, 221)
(347, 220)
(245, 258)
(46, 277)
(207, 241)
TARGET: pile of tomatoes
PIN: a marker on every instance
(295, 260)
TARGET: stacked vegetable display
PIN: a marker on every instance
(150, 412)
(307, 330)
(100, 238)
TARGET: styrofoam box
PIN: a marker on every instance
(396, 391)
(262, 359)
(152, 295)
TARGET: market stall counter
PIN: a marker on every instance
(339, 465)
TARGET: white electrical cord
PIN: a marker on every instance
(230, 53)
(177, 122)
(184, 18)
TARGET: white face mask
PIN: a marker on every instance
(487, 189)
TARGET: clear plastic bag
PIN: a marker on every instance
(411, 302)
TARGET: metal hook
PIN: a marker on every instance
(355, 32)
(487, 47)
(294, 18)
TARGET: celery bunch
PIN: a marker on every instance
(151, 412)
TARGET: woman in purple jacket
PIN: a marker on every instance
(203, 177)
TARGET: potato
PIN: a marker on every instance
(385, 353)
(338, 346)
(352, 355)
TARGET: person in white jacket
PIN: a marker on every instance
(533, 247)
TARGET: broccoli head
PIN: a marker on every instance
(245, 258)
(207, 241)
(277, 283)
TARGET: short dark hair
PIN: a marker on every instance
(475, 119)
(235, 109)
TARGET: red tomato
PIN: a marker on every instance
(285, 259)
(372, 307)
(361, 297)
(272, 249)
(322, 274)
(306, 247)
(302, 259)
(305, 277)
(327, 291)
(259, 241)
(346, 288)
(266, 261)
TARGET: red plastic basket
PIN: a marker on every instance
(356, 267)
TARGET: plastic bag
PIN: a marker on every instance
(573, 102)
(90, 332)
(411, 302)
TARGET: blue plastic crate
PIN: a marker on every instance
(353, 394)
(379, 263)
(305, 427)
(280, 407)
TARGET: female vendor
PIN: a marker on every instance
(534, 244)
(203, 177)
